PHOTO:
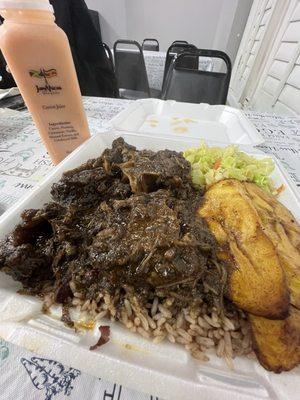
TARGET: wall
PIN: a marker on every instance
(112, 18)
(205, 23)
(166, 20)
(238, 26)
(215, 24)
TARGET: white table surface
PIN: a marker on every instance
(23, 163)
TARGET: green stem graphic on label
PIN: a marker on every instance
(45, 74)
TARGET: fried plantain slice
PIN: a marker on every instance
(276, 343)
(283, 230)
(257, 281)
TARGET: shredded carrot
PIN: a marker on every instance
(217, 163)
(280, 189)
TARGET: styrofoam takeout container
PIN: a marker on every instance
(216, 123)
(165, 370)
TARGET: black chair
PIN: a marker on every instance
(109, 54)
(180, 42)
(131, 71)
(194, 86)
(150, 44)
(188, 62)
(13, 102)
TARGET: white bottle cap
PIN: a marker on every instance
(26, 4)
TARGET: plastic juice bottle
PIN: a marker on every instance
(38, 55)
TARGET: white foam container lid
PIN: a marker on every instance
(166, 370)
(175, 119)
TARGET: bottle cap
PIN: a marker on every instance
(43, 5)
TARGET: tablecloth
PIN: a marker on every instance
(23, 163)
(28, 376)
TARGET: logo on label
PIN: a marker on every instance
(45, 74)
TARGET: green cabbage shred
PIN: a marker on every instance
(211, 164)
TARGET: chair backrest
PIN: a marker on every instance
(194, 86)
(180, 41)
(150, 44)
(179, 48)
(109, 54)
(130, 66)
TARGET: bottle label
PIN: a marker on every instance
(59, 129)
(45, 76)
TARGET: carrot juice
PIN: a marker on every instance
(38, 55)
